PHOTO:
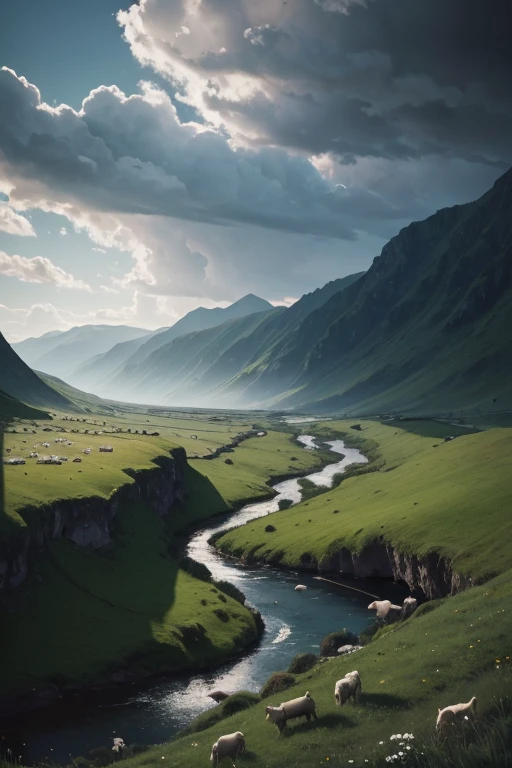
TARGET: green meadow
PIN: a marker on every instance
(458, 649)
(424, 495)
(81, 615)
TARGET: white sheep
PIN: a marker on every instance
(303, 706)
(384, 608)
(408, 608)
(450, 715)
(348, 687)
(232, 745)
(119, 745)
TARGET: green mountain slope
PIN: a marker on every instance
(61, 353)
(427, 328)
(97, 370)
(18, 381)
(10, 408)
(193, 369)
(107, 373)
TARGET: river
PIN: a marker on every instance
(295, 622)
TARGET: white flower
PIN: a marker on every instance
(466, 717)
(401, 754)
(407, 747)
(381, 742)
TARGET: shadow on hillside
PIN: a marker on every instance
(104, 611)
(2, 479)
(384, 701)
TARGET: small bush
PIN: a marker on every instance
(284, 504)
(270, 528)
(238, 702)
(230, 590)
(221, 614)
(198, 570)
(302, 662)
(330, 644)
(367, 635)
(276, 683)
(223, 598)
(228, 461)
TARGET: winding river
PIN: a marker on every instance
(295, 622)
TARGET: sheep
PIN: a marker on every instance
(408, 608)
(119, 745)
(384, 608)
(300, 588)
(232, 745)
(304, 706)
(348, 687)
(450, 715)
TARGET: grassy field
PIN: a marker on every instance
(448, 651)
(427, 496)
(82, 614)
(458, 649)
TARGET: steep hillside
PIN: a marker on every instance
(181, 371)
(10, 408)
(193, 368)
(104, 373)
(61, 353)
(427, 328)
(18, 381)
(96, 370)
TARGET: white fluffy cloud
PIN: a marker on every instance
(13, 223)
(38, 270)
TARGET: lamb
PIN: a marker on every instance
(232, 745)
(384, 608)
(119, 745)
(304, 706)
(450, 715)
(348, 687)
(408, 608)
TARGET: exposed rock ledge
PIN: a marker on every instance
(89, 522)
(432, 574)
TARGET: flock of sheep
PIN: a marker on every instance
(232, 745)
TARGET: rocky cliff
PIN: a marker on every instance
(432, 574)
(90, 522)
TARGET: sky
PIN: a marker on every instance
(168, 154)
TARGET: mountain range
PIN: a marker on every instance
(426, 329)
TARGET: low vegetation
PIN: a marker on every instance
(421, 495)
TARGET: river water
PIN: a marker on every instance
(295, 622)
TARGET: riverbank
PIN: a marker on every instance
(152, 617)
(432, 513)
(285, 631)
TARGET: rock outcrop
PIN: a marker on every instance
(431, 573)
(89, 522)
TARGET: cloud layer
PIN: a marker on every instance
(38, 270)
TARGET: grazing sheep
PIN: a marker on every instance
(300, 588)
(384, 608)
(232, 745)
(348, 687)
(304, 706)
(450, 715)
(408, 608)
(119, 745)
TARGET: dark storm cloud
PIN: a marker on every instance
(386, 78)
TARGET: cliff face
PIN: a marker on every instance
(432, 574)
(89, 522)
